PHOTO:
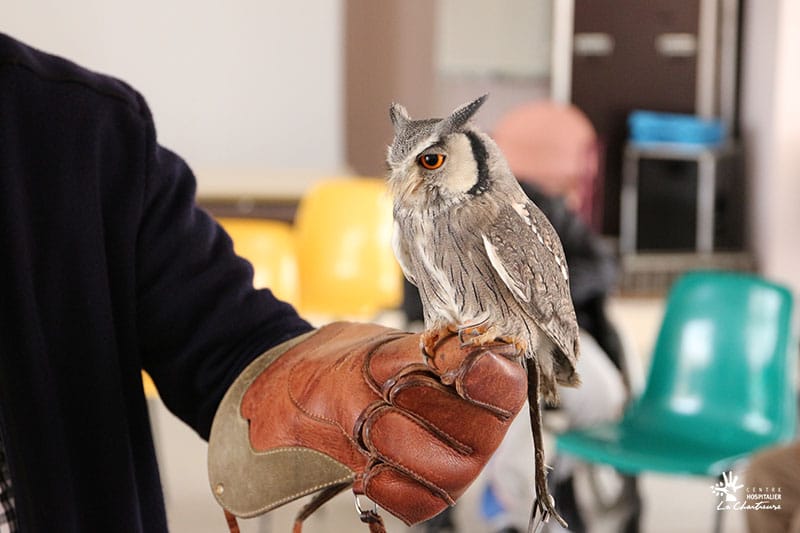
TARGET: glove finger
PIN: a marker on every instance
(493, 381)
(401, 495)
(410, 445)
(463, 425)
(393, 358)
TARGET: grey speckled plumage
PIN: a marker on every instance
(484, 257)
(475, 245)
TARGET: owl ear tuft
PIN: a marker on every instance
(399, 116)
(460, 116)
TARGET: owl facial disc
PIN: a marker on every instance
(436, 162)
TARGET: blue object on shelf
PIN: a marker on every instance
(648, 127)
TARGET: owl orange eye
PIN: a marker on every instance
(431, 161)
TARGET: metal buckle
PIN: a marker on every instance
(366, 515)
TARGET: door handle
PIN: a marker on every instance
(593, 44)
(676, 44)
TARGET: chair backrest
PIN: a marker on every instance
(269, 246)
(723, 369)
(344, 232)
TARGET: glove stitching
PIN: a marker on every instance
(438, 432)
(366, 372)
(466, 449)
(324, 419)
(473, 358)
(493, 409)
(443, 494)
(412, 473)
(310, 490)
(405, 517)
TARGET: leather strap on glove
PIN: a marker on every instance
(358, 404)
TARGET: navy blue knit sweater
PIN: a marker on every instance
(107, 267)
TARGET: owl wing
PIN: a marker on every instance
(401, 254)
(526, 253)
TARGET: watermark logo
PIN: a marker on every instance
(733, 498)
(728, 487)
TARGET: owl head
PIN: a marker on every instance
(436, 163)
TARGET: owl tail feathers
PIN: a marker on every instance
(548, 390)
(551, 375)
(556, 366)
(566, 373)
(544, 504)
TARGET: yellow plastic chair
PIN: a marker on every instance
(150, 390)
(269, 246)
(344, 231)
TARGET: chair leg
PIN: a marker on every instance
(717, 520)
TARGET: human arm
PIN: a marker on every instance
(199, 318)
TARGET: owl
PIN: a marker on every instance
(488, 264)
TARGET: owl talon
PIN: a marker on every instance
(473, 334)
(432, 338)
(481, 334)
(519, 345)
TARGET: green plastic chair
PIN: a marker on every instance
(720, 387)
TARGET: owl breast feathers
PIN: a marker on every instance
(485, 259)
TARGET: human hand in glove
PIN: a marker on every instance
(359, 404)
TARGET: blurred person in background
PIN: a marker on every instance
(775, 471)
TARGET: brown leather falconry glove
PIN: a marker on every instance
(358, 404)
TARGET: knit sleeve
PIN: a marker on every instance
(199, 318)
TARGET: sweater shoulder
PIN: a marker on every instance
(51, 69)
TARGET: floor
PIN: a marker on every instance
(672, 504)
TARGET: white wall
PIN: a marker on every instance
(771, 128)
(254, 86)
(498, 38)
